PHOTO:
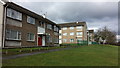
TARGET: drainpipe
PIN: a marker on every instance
(4, 26)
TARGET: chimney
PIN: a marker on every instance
(44, 16)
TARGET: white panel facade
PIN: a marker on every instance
(43, 41)
(41, 30)
(14, 23)
(12, 43)
(60, 37)
(1, 22)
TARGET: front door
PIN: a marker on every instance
(39, 41)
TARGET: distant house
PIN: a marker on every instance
(23, 28)
(72, 32)
(91, 35)
(118, 38)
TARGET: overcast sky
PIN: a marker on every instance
(95, 14)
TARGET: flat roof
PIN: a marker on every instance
(91, 31)
(72, 24)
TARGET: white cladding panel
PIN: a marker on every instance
(14, 23)
(12, 43)
(41, 30)
(1, 22)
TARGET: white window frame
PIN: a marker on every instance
(29, 37)
(64, 34)
(49, 39)
(71, 40)
(56, 33)
(79, 33)
(64, 40)
(17, 15)
(42, 24)
(71, 27)
(56, 40)
(56, 28)
(72, 33)
(49, 26)
(10, 35)
(79, 27)
(30, 20)
(64, 28)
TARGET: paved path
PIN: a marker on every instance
(27, 54)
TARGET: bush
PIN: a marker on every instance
(64, 44)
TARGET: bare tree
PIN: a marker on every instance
(104, 35)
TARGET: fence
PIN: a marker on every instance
(84, 42)
(79, 43)
(95, 43)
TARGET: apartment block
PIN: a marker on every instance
(72, 32)
(24, 28)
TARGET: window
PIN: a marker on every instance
(71, 27)
(64, 34)
(49, 26)
(14, 14)
(49, 38)
(42, 24)
(8, 34)
(79, 27)
(13, 35)
(55, 33)
(72, 33)
(71, 40)
(60, 34)
(64, 28)
(56, 40)
(30, 37)
(30, 20)
(90, 34)
(79, 33)
(40, 30)
(64, 40)
(56, 28)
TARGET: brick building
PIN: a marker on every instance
(72, 32)
(22, 27)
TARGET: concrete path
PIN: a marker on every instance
(27, 54)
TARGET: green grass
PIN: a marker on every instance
(96, 55)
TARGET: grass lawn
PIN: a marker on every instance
(95, 55)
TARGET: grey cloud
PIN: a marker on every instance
(96, 14)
